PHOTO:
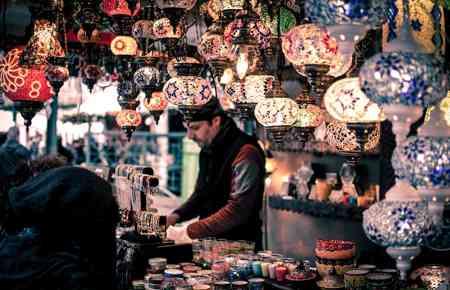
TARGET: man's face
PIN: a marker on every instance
(202, 132)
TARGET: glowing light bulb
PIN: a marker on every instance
(242, 65)
(227, 76)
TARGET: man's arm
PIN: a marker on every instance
(247, 174)
(188, 210)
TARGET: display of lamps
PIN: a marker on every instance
(42, 45)
(26, 87)
(424, 161)
(156, 105)
(147, 79)
(399, 223)
(128, 121)
(277, 115)
(189, 93)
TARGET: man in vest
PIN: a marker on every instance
(229, 190)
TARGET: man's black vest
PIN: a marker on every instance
(214, 179)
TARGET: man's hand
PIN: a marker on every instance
(172, 219)
(178, 234)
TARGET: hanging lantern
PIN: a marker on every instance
(156, 105)
(90, 74)
(142, 30)
(121, 7)
(127, 94)
(247, 31)
(308, 119)
(27, 88)
(124, 45)
(42, 45)
(175, 9)
(277, 115)
(128, 121)
(147, 79)
(189, 93)
(168, 34)
(188, 61)
(56, 76)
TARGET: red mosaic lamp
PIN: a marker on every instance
(128, 121)
(156, 105)
(28, 88)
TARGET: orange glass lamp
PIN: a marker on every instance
(156, 105)
(128, 121)
(26, 87)
(42, 45)
(168, 34)
(277, 115)
(124, 45)
(308, 119)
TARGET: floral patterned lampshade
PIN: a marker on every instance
(26, 87)
(254, 89)
(187, 91)
(277, 115)
(390, 223)
(182, 4)
(124, 45)
(143, 29)
(212, 46)
(341, 12)
(258, 31)
(344, 140)
(309, 116)
(147, 78)
(56, 76)
(162, 28)
(128, 120)
(276, 112)
(345, 102)
(43, 44)
(309, 44)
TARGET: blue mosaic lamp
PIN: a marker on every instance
(403, 80)
(401, 223)
(424, 161)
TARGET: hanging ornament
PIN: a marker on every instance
(128, 121)
(147, 79)
(90, 74)
(156, 105)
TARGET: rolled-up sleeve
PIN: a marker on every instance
(247, 175)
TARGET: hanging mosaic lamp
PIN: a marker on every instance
(127, 94)
(168, 34)
(189, 93)
(90, 74)
(175, 9)
(309, 117)
(277, 115)
(128, 121)
(156, 105)
(424, 161)
(121, 7)
(42, 45)
(26, 87)
(247, 31)
(142, 31)
(403, 79)
(190, 63)
(214, 50)
(147, 79)
(56, 75)
(124, 46)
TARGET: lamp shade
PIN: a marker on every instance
(182, 4)
(411, 79)
(258, 31)
(124, 45)
(212, 46)
(187, 90)
(276, 112)
(339, 65)
(392, 223)
(345, 102)
(309, 116)
(356, 12)
(184, 59)
(309, 44)
(162, 28)
(20, 83)
(120, 7)
(343, 139)
(252, 90)
(142, 29)
(156, 103)
(147, 78)
(43, 44)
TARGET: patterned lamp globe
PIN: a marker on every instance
(128, 121)
(27, 88)
(120, 7)
(246, 94)
(424, 161)
(56, 76)
(90, 74)
(309, 117)
(156, 105)
(277, 115)
(251, 31)
(147, 79)
(214, 50)
(184, 60)
(124, 45)
(189, 93)
(127, 94)
(142, 31)
(399, 223)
